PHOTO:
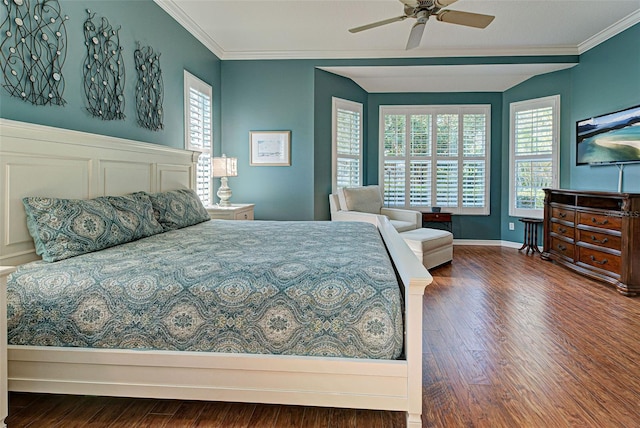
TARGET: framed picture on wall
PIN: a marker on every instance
(270, 148)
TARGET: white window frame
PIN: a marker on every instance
(434, 110)
(192, 82)
(552, 101)
(339, 103)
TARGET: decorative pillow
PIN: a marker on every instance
(367, 199)
(63, 228)
(176, 209)
(135, 212)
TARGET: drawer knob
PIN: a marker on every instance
(603, 241)
(562, 215)
(562, 230)
(601, 223)
(599, 262)
(562, 247)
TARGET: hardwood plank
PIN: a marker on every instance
(290, 417)
(80, 415)
(152, 420)
(186, 415)
(317, 417)
(239, 415)
(264, 416)
(213, 414)
(345, 418)
(112, 409)
(137, 411)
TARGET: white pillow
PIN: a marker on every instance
(365, 199)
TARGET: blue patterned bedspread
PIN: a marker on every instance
(296, 288)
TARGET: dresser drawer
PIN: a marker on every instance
(600, 239)
(600, 260)
(563, 214)
(600, 220)
(563, 248)
(562, 230)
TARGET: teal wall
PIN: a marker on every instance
(271, 96)
(140, 21)
(558, 83)
(606, 80)
(327, 86)
(466, 227)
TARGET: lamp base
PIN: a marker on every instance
(224, 193)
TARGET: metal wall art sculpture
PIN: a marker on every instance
(33, 50)
(149, 89)
(103, 70)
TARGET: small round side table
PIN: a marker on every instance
(530, 235)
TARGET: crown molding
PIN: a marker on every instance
(414, 53)
(183, 19)
(613, 30)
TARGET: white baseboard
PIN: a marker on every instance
(489, 243)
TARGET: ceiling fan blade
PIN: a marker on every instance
(441, 4)
(377, 24)
(416, 35)
(468, 19)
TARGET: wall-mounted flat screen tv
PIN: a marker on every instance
(609, 138)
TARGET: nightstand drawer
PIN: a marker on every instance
(232, 212)
(244, 215)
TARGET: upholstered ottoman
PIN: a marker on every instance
(432, 246)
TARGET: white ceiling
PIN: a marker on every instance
(318, 29)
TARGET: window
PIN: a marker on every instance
(436, 156)
(199, 131)
(533, 154)
(346, 143)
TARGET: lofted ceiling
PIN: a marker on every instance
(318, 29)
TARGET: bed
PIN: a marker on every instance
(46, 161)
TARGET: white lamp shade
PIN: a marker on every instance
(225, 167)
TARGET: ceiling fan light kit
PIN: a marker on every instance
(421, 10)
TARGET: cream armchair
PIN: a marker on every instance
(365, 204)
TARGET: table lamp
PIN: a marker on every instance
(224, 167)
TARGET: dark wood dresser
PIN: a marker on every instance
(596, 234)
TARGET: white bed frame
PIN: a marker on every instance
(45, 161)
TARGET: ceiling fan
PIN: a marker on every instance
(421, 10)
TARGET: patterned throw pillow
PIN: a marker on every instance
(63, 228)
(176, 209)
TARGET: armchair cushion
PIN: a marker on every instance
(402, 226)
(365, 199)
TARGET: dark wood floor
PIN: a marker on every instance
(510, 341)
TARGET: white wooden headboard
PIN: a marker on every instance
(38, 160)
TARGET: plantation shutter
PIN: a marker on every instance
(199, 131)
(533, 143)
(347, 144)
(436, 156)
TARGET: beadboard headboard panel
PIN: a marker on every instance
(38, 160)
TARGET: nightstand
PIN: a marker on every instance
(232, 212)
(430, 219)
